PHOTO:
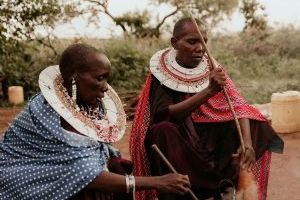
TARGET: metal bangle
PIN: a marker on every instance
(127, 180)
(131, 184)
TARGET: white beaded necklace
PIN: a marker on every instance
(107, 128)
(164, 67)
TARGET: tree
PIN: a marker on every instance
(253, 20)
(19, 20)
(135, 23)
(211, 12)
(255, 31)
(139, 23)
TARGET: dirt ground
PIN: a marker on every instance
(284, 182)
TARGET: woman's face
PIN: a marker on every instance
(92, 82)
(189, 47)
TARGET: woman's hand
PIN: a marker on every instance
(217, 80)
(248, 158)
(175, 183)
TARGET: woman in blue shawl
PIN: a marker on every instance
(59, 145)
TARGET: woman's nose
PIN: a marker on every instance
(104, 87)
(199, 47)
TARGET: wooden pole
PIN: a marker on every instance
(161, 155)
(224, 88)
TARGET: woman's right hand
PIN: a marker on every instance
(217, 80)
(175, 183)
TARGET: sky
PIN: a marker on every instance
(279, 12)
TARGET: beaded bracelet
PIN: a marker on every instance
(130, 183)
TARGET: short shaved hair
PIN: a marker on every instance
(75, 58)
(178, 27)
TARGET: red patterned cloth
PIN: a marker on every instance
(215, 110)
(261, 171)
(136, 144)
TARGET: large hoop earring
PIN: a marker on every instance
(74, 90)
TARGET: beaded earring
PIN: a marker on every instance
(74, 90)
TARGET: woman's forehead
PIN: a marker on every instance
(97, 61)
(190, 29)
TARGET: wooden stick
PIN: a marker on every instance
(224, 88)
(161, 155)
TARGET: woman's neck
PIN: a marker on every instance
(183, 65)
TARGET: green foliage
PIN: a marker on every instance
(138, 24)
(144, 24)
(19, 20)
(26, 66)
(258, 68)
(209, 11)
(253, 20)
(129, 59)
(134, 19)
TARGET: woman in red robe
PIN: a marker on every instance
(184, 112)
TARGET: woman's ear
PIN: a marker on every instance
(75, 76)
(174, 42)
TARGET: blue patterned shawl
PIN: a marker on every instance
(40, 160)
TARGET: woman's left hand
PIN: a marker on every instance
(248, 158)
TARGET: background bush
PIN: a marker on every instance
(259, 65)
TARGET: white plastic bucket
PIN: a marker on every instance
(285, 109)
(15, 95)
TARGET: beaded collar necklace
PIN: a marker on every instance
(164, 67)
(109, 127)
